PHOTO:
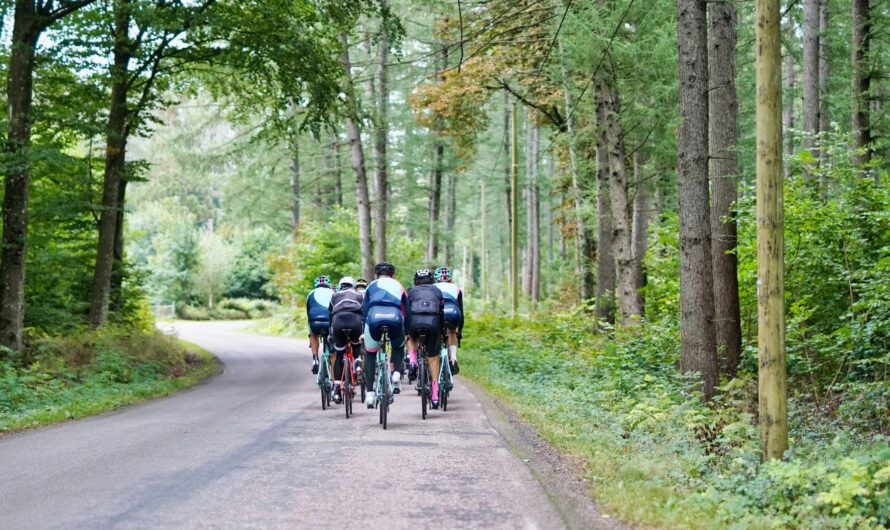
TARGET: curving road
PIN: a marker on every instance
(251, 448)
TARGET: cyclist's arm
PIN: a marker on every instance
(460, 305)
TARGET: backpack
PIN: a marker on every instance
(424, 300)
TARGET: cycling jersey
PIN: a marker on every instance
(317, 309)
(454, 305)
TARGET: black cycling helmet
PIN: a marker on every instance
(361, 283)
(385, 269)
(423, 277)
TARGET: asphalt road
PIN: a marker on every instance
(251, 448)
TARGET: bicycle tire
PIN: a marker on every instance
(424, 384)
(323, 384)
(443, 388)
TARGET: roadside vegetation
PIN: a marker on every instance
(90, 372)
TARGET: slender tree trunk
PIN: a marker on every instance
(528, 261)
(580, 233)
(115, 163)
(605, 259)
(358, 165)
(116, 295)
(723, 108)
(382, 134)
(810, 72)
(697, 335)
(534, 210)
(294, 186)
(338, 169)
(823, 68)
(432, 249)
(770, 257)
(450, 212)
(861, 81)
(17, 180)
(483, 206)
(789, 109)
(507, 165)
(608, 99)
(640, 227)
(514, 200)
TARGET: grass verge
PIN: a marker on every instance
(63, 379)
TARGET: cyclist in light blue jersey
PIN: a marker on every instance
(317, 304)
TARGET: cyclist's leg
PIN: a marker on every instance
(372, 345)
(397, 340)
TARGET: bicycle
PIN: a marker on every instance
(424, 384)
(348, 376)
(446, 378)
(384, 383)
(323, 379)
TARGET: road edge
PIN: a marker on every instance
(555, 471)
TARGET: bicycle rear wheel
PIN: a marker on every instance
(424, 378)
(323, 385)
(444, 385)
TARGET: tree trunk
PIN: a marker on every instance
(622, 248)
(640, 227)
(507, 165)
(338, 169)
(697, 335)
(823, 68)
(17, 181)
(534, 211)
(770, 255)
(723, 107)
(483, 284)
(580, 233)
(116, 302)
(514, 227)
(861, 81)
(432, 248)
(115, 164)
(810, 72)
(382, 133)
(294, 186)
(605, 259)
(450, 212)
(789, 108)
(528, 262)
(358, 165)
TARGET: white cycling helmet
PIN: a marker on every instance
(346, 282)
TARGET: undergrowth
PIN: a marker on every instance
(657, 455)
(90, 372)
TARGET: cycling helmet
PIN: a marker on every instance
(423, 276)
(322, 281)
(361, 283)
(346, 282)
(443, 274)
(385, 269)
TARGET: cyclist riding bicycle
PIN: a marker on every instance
(453, 311)
(317, 304)
(425, 317)
(385, 305)
(346, 326)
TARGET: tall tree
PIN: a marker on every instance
(432, 249)
(824, 57)
(358, 163)
(294, 185)
(622, 247)
(640, 226)
(31, 18)
(861, 80)
(723, 113)
(381, 134)
(770, 225)
(697, 335)
(605, 259)
(788, 118)
(810, 72)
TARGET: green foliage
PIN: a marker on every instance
(322, 247)
(91, 372)
(230, 309)
(656, 454)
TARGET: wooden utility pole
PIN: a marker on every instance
(514, 224)
(770, 224)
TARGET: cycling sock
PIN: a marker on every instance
(412, 356)
(435, 391)
(452, 353)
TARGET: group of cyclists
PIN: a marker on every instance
(356, 313)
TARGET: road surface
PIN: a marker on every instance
(251, 448)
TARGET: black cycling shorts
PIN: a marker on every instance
(343, 322)
(431, 327)
(452, 315)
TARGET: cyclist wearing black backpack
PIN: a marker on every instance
(425, 306)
